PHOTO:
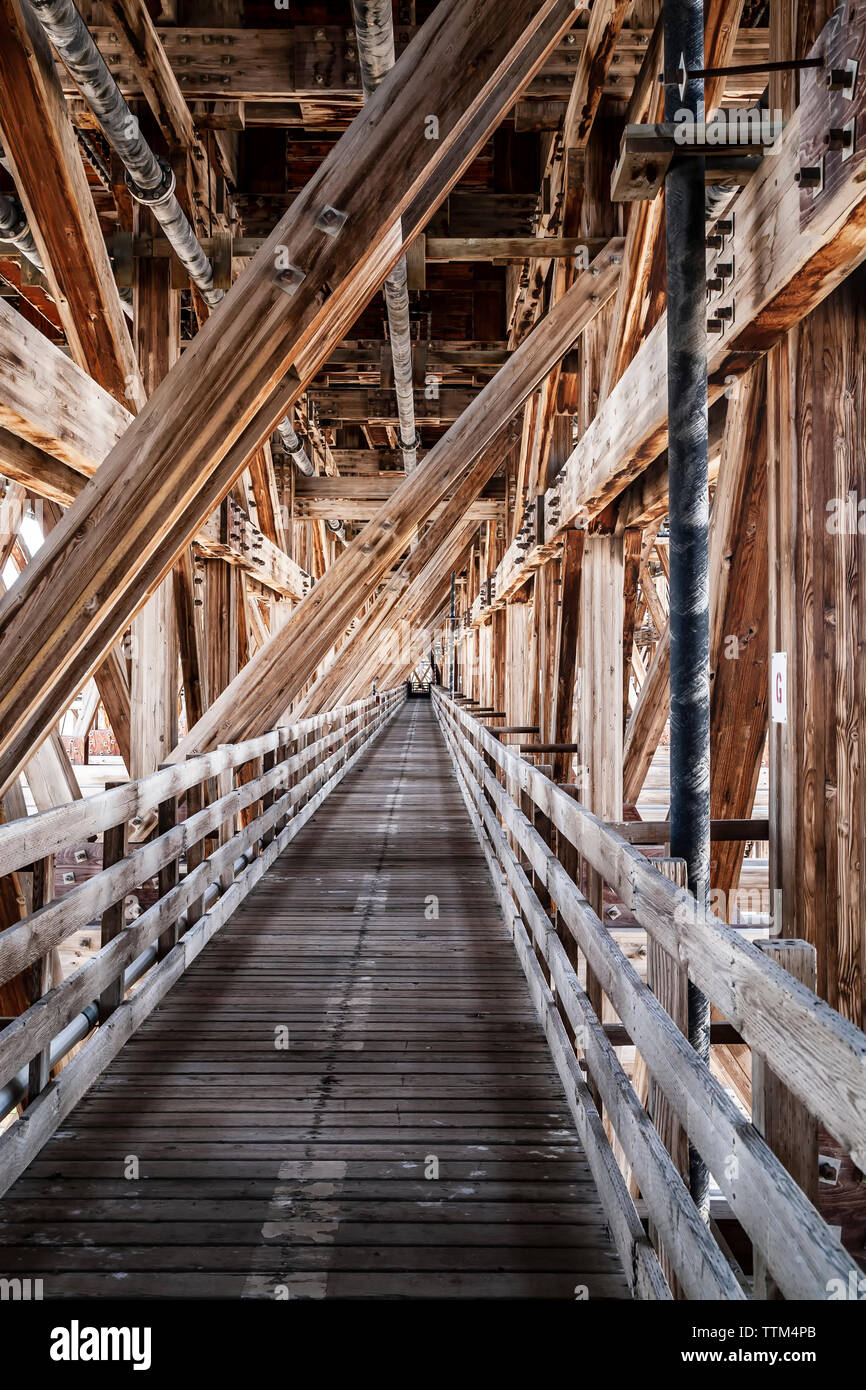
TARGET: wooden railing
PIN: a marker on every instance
(540, 844)
(205, 830)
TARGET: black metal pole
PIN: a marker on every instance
(689, 502)
(452, 625)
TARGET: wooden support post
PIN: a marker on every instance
(39, 1072)
(669, 983)
(631, 569)
(566, 646)
(154, 636)
(599, 703)
(788, 1127)
(269, 761)
(114, 847)
(224, 784)
(817, 805)
(195, 853)
(168, 874)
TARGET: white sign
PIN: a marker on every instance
(779, 688)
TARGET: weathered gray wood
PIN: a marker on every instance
(693, 1252)
(798, 1034)
(22, 1141)
(799, 1248)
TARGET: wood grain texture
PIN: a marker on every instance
(411, 1038)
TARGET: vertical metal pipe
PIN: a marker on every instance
(689, 500)
(452, 624)
(374, 27)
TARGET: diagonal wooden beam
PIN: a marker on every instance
(43, 152)
(279, 670)
(404, 589)
(225, 395)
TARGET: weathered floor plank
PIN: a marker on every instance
(374, 949)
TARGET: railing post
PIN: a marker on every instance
(224, 785)
(669, 982)
(39, 1071)
(195, 853)
(168, 874)
(114, 848)
(269, 761)
(789, 1128)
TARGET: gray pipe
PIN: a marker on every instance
(688, 452)
(75, 1031)
(14, 227)
(299, 455)
(302, 462)
(149, 178)
(375, 30)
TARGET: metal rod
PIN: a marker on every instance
(75, 1031)
(374, 26)
(744, 69)
(452, 624)
(14, 227)
(688, 464)
(149, 178)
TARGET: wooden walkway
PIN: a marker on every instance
(300, 1170)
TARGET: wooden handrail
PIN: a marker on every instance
(821, 1054)
(279, 799)
(798, 1247)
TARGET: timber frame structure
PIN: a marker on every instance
(432, 597)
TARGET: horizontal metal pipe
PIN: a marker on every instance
(150, 179)
(76, 1031)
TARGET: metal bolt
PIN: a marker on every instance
(714, 326)
(715, 243)
(715, 284)
(725, 312)
(839, 138)
(810, 176)
(725, 269)
(839, 78)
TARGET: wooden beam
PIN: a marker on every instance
(154, 638)
(739, 662)
(405, 590)
(817, 480)
(43, 152)
(647, 722)
(279, 670)
(565, 668)
(54, 404)
(227, 392)
(632, 537)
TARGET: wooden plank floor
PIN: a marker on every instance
(301, 1170)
